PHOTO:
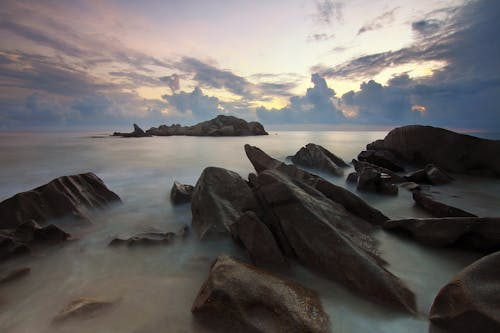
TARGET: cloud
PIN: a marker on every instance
(172, 81)
(379, 22)
(327, 11)
(426, 27)
(195, 104)
(320, 37)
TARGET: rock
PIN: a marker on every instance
(470, 302)
(237, 297)
(219, 126)
(410, 186)
(371, 180)
(382, 158)
(352, 177)
(436, 208)
(151, 238)
(259, 242)
(389, 176)
(436, 176)
(478, 233)
(181, 193)
(83, 308)
(14, 275)
(9, 247)
(354, 204)
(64, 196)
(137, 133)
(448, 150)
(317, 157)
(322, 235)
(419, 177)
(219, 199)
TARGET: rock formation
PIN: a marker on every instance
(137, 133)
(316, 157)
(181, 193)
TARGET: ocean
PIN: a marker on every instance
(156, 286)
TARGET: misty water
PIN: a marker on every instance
(155, 286)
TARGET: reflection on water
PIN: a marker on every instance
(156, 285)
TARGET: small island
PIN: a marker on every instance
(219, 126)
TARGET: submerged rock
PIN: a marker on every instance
(181, 193)
(431, 174)
(240, 298)
(137, 133)
(83, 308)
(219, 199)
(151, 238)
(470, 302)
(352, 177)
(14, 275)
(381, 158)
(479, 233)
(258, 240)
(64, 196)
(436, 208)
(389, 176)
(219, 126)
(317, 157)
(451, 151)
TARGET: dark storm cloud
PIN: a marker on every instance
(379, 22)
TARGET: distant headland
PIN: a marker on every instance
(219, 126)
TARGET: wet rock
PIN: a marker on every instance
(478, 233)
(137, 133)
(354, 204)
(419, 177)
(470, 302)
(151, 238)
(448, 150)
(352, 177)
(371, 180)
(258, 240)
(240, 298)
(14, 275)
(219, 126)
(9, 247)
(389, 176)
(410, 186)
(438, 209)
(181, 193)
(317, 157)
(382, 158)
(219, 199)
(322, 235)
(83, 308)
(64, 196)
(431, 174)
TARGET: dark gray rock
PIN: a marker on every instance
(352, 177)
(382, 158)
(371, 180)
(316, 157)
(448, 150)
(237, 297)
(258, 240)
(431, 174)
(151, 238)
(478, 233)
(137, 133)
(436, 208)
(14, 275)
(389, 176)
(219, 199)
(470, 302)
(83, 309)
(181, 193)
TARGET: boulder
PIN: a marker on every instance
(137, 133)
(258, 241)
(470, 302)
(219, 199)
(436, 208)
(431, 174)
(151, 238)
(448, 150)
(371, 180)
(14, 275)
(9, 247)
(219, 126)
(316, 157)
(83, 308)
(354, 204)
(352, 177)
(64, 196)
(322, 235)
(181, 193)
(389, 176)
(478, 233)
(382, 158)
(237, 297)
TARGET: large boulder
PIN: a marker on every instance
(371, 180)
(237, 297)
(64, 196)
(436, 208)
(354, 204)
(181, 193)
(316, 157)
(324, 236)
(136, 133)
(451, 151)
(479, 233)
(470, 302)
(219, 199)
(258, 240)
(391, 177)
(382, 158)
(221, 125)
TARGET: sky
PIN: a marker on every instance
(300, 63)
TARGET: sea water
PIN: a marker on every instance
(154, 287)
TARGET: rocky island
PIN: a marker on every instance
(219, 126)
